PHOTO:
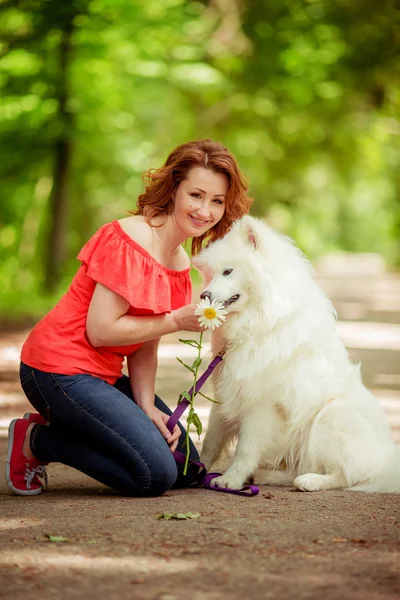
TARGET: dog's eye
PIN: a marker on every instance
(227, 272)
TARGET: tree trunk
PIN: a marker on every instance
(55, 243)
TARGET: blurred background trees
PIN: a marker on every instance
(305, 93)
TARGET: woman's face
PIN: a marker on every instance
(199, 201)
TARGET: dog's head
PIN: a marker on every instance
(228, 267)
(253, 265)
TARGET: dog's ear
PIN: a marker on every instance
(249, 230)
(252, 237)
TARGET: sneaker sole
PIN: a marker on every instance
(9, 452)
(27, 417)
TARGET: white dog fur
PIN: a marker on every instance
(288, 390)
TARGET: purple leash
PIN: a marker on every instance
(204, 477)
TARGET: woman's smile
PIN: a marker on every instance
(199, 222)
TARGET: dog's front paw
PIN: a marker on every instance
(250, 479)
(224, 481)
(311, 482)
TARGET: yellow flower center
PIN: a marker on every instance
(210, 313)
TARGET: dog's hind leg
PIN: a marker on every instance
(315, 482)
(272, 477)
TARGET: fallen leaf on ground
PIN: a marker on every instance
(340, 540)
(178, 516)
(56, 538)
(167, 597)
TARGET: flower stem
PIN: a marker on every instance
(189, 419)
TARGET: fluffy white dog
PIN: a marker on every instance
(287, 389)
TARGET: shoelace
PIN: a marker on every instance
(30, 474)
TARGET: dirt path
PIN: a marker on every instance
(280, 544)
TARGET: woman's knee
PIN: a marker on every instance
(162, 478)
(157, 475)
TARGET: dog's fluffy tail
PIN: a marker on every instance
(388, 481)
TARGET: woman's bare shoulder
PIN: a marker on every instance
(138, 229)
(141, 232)
(184, 260)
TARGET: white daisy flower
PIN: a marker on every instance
(211, 314)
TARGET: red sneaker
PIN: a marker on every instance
(21, 472)
(35, 417)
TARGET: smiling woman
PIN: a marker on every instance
(132, 287)
(195, 165)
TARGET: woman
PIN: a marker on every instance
(132, 287)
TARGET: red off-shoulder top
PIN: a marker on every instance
(59, 344)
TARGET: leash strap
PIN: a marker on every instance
(184, 403)
(204, 477)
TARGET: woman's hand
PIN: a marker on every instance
(186, 320)
(160, 420)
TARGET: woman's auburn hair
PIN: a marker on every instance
(162, 183)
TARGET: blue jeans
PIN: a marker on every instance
(98, 429)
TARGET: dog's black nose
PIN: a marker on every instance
(205, 295)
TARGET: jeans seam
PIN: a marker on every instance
(41, 393)
(109, 429)
(26, 377)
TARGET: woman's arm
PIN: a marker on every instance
(107, 323)
(142, 368)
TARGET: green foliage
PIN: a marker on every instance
(209, 399)
(184, 395)
(196, 363)
(185, 365)
(197, 423)
(192, 343)
(304, 93)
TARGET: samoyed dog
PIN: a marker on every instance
(286, 387)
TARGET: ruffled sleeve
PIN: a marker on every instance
(115, 260)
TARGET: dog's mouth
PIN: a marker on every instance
(231, 300)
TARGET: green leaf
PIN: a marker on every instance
(187, 366)
(184, 395)
(210, 399)
(179, 516)
(192, 343)
(196, 363)
(197, 423)
(56, 538)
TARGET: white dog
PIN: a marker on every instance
(287, 389)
